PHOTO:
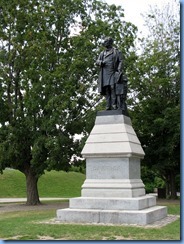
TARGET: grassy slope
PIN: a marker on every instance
(51, 184)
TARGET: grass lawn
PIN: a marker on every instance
(26, 225)
(51, 184)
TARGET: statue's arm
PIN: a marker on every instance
(99, 61)
(120, 62)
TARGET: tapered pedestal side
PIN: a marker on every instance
(113, 192)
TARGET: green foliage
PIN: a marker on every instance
(48, 74)
(81, 168)
(149, 187)
(147, 176)
(155, 86)
(48, 77)
(159, 183)
(150, 179)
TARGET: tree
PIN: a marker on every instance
(48, 79)
(155, 83)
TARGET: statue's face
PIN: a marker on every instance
(108, 42)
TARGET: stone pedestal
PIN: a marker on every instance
(113, 192)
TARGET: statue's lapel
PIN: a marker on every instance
(108, 53)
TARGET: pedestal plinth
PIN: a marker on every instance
(113, 191)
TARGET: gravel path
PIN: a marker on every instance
(11, 207)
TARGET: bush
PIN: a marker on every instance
(159, 183)
(149, 187)
(79, 169)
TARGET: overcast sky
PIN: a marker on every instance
(134, 8)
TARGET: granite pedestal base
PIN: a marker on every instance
(117, 217)
(113, 192)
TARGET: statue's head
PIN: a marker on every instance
(108, 42)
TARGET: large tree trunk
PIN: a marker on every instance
(173, 185)
(32, 188)
(167, 188)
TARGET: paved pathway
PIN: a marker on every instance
(14, 200)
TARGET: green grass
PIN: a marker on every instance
(172, 208)
(26, 225)
(51, 184)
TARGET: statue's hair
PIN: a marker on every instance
(110, 39)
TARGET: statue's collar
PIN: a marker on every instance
(108, 52)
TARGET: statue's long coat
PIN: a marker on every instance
(111, 73)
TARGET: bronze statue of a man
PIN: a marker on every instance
(112, 83)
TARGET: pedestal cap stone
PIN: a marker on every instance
(112, 136)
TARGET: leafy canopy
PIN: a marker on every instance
(48, 76)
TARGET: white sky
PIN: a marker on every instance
(134, 8)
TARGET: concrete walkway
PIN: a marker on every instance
(17, 200)
(14, 200)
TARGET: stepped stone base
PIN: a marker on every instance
(139, 210)
(139, 217)
(113, 192)
(136, 203)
